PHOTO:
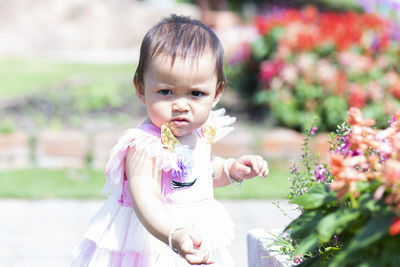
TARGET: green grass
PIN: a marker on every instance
(275, 185)
(44, 183)
(20, 77)
(37, 183)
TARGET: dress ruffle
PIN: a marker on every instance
(115, 225)
(90, 255)
(115, 169)
(108, 238)
(165, 159)
(222, 123)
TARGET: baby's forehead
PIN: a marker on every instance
(204, 59)
(188, 58)
(197, 70)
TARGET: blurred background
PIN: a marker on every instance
(66, 93)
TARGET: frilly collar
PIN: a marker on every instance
(148, 137)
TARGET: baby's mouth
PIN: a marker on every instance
(179, 122)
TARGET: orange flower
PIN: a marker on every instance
(336, 163)
(392, 171)
(395, 228)
(355, 118)
(346, 173)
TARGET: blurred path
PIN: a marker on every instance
(42, 233)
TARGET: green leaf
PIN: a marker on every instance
(305, 224)
(334, 223)
(375, 229)
(306, 245)
(317, 196)
(333, 111)
(262, 97)
(260, 48)
(276, 33)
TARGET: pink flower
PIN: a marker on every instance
(289, 74)
(313, 130)
(320, 173)
(269, 69)
(298, 259)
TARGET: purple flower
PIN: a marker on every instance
(375, 43)
(293, 170)
(391, 121)
(313, 130)
(354, 153)
(336, 240)
(320, 173)
(343, 147)
(298, 259)
(184, 160)
(241, 55)
(368, 5)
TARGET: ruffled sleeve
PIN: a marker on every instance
(222, 123)
(115, 168)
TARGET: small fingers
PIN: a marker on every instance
(187, 247)
(253, 165)
(259, 166)
(244, 169)
(199, 257)
(196, 240)
(264, 170)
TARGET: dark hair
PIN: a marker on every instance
(183, 37)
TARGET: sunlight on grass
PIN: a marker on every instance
(43, 183)
(20, 77)
(38, 183)
(276, 185)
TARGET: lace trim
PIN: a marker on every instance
(165, 159)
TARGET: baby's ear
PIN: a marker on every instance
(218, 93)
(139, 89)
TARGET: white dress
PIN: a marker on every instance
(116, 237)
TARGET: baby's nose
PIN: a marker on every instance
(180, 105)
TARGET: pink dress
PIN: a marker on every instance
(116, 237)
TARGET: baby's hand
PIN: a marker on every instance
(248, 166)
(188, 245)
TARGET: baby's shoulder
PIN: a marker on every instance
(145, 146)
(217, 126)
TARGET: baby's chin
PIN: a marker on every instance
(180, 132)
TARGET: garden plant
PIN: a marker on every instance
(350, 207)
(310, 63)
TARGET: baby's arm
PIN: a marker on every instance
(244, 167)
(144, 183)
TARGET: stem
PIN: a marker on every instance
(353, 200)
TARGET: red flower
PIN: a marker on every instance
(395, 228)
(263, 24)
(310, 14)
(396, 91)
(341, 83)
(357, 96)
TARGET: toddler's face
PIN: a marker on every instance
(181, 95)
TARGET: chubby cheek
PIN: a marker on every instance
(201, 115)
(157, 114)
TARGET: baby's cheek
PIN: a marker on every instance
(158, 115)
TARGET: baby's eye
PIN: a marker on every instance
(165, 92)
(197, 93)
